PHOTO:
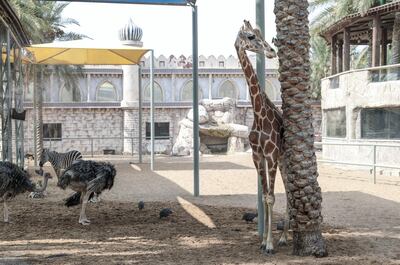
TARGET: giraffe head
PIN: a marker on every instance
(250, 39)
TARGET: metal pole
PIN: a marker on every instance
(374, 167)
(91, 146)
(196, 144)
(260, 24)
(132, 146)
(140, 116)
(152, 109)
(35, 99)
(8, 101)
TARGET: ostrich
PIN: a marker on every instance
(86, 177)
(14, 181)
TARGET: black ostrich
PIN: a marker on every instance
(14, 181)
(86, 178)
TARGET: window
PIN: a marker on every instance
(221, 64)
(336, 123)
(187, 92)
(382, 123)
(70, 94)
(143, 63)
(106, 92)
(270, 90)
(161, 130)
(162, 63)
(201, 64)
(227, 89)
(158, 93)
(52, 131)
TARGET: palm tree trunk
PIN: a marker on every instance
(304, 192)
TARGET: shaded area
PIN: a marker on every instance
(48, 233)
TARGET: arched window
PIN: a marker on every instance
(187, 92)
(228, 89)
(106, 92)
(158, 93)
(70, 94)
(270, 90)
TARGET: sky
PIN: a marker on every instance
(168, 29)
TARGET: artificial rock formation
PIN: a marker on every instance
(216, 126)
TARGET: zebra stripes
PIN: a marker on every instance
(59, 160)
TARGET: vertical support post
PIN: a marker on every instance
(334, 61)
(260, 24)
(384, 47)
(340, 56)
(210, 78)
(91, 146)
(19, 106)
(196, 141)
(89, 80)
(374, 167)
(152, 109)
(376, 40)
(140, 117)
(132, 146)
(35, 106)
(7, 101)
(346, 49)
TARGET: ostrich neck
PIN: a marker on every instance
(44, 186)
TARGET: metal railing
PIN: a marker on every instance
(95, 145)
(373, 164)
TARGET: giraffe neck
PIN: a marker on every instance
(252, 80)
(259, 98)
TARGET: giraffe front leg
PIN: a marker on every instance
(268, 244)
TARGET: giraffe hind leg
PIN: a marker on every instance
(283, 241)
(269, 200)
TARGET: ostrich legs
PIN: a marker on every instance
(86, 178)
(14, 181)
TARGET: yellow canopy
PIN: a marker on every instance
(83, 52)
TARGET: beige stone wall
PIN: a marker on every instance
(78, 126)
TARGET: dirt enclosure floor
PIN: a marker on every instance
(362, 220)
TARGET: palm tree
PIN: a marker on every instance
(43, 21)
(320, 64)
(304, 197)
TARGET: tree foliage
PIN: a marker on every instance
(325, 13)
(44, 23)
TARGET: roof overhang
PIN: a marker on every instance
(84, 52)
(146, 2)
(359, 24)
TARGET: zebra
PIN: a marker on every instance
(61, 161)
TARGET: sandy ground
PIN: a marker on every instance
(362, 219)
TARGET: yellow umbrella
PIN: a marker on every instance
(84, 52)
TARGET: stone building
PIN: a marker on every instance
(361, 107)
(102, 111)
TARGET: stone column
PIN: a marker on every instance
(340, 57)
(376, 40)
(130, 106)
(346, 49)
(333, 56)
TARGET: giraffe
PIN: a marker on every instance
(266, 134)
